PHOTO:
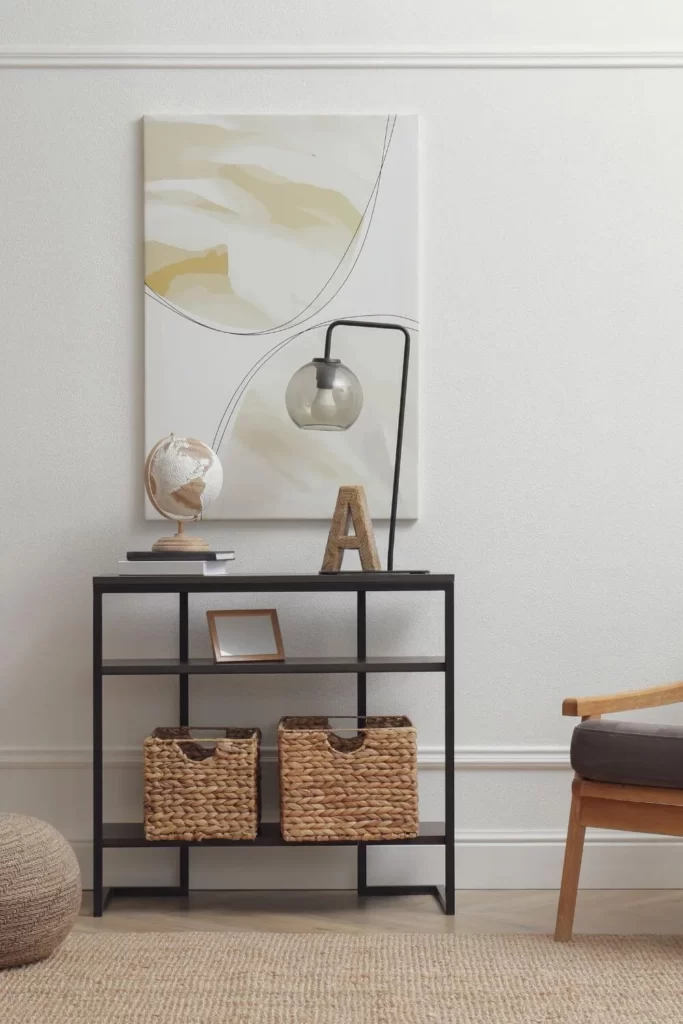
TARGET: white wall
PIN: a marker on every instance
(552, 476)
(464, 24)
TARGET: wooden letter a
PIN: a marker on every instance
(352, 507)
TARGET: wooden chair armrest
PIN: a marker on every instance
(630, 700)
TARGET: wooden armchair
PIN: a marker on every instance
(629, 776)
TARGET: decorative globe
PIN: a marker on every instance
(182, 477)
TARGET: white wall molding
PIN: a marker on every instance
(121, 56)
(53, 758)
(501, 757)
(466, 757)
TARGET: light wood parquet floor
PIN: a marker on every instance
(609, 911)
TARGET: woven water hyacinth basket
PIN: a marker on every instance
(204, 788)
(361, 787)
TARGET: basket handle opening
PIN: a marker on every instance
(194, 752)
(345, 744)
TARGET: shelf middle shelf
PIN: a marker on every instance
(290, 666)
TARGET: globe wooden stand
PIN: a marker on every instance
(180, 542)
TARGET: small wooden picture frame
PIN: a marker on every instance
(248, 634)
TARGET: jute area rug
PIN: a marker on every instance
(237, 978)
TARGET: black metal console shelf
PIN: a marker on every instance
(108, 835)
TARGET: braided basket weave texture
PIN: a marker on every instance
(362, 787)
(40, 890)
(195, 792)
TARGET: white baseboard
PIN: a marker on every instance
(533, 860)
(195, 56)
(484, 860)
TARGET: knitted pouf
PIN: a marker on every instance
(40, 889)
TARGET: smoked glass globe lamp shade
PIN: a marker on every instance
(324, 395)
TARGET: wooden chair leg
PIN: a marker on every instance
(570, 873)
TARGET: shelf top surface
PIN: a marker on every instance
(280, 582)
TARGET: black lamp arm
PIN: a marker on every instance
(401, 412)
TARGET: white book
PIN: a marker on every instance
(167, 567)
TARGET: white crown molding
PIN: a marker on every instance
(491, 758)
(173, 56)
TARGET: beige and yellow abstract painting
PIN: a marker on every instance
(260, 230)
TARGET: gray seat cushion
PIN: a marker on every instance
(609, 750)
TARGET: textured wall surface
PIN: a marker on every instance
(552, 478)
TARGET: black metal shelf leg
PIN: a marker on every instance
(449, 711)
(97, 868)
(361, 711)
(183, 719)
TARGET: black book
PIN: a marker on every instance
(180, 556)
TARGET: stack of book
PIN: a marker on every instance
(176, 563)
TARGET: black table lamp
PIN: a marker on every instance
(326, 395)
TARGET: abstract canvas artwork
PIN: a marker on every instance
(260, 230)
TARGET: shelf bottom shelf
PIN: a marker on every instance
(125, 834)
(176, 892)
(110, 893)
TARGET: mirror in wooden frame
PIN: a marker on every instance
(251, 634)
